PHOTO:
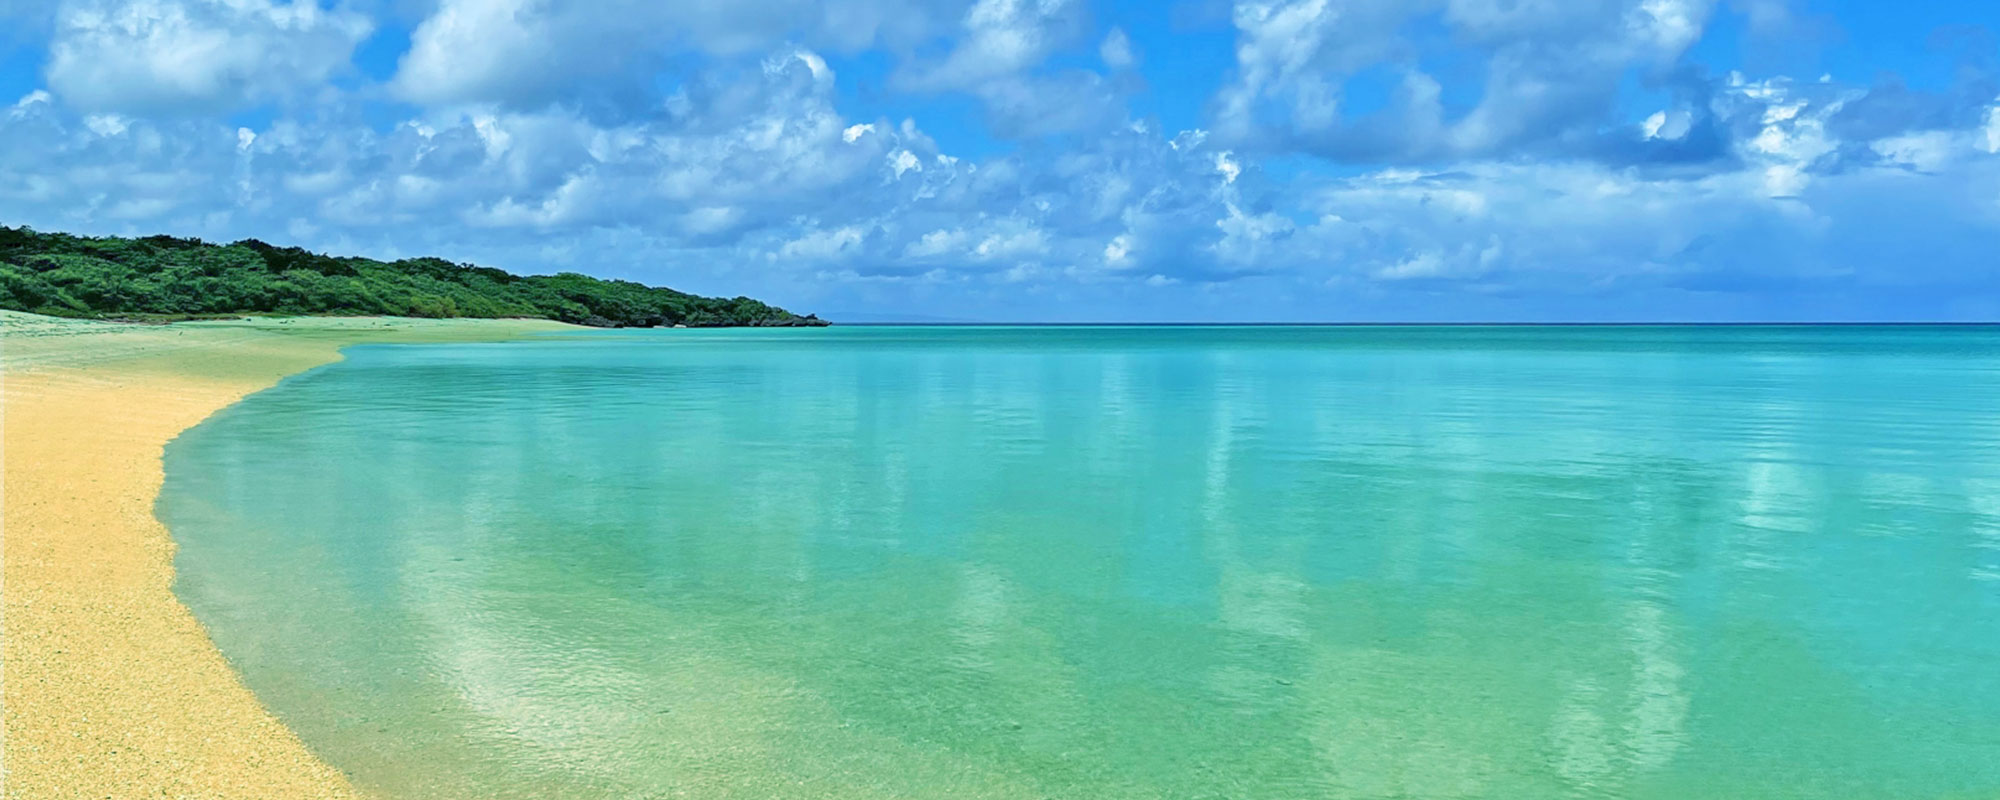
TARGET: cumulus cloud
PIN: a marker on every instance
(533, 52)
(1000, 38)
(749, 172)
(779, 194)
(1551, 70)
(820, 246)
(739, 151)
(999, 57)
(167, 56)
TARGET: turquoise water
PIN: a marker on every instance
(1121, 562)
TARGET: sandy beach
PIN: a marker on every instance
(112, 688)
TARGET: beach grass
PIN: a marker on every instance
(111, 687)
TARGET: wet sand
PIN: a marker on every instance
(111, 687)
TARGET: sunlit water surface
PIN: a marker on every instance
(1118, 562)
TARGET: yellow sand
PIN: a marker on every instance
(111, 688)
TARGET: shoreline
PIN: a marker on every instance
(112, 688)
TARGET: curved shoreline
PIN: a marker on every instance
(111, 687)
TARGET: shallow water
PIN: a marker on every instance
(1121, 562)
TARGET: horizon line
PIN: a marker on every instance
(1650, 324)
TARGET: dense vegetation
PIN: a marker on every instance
(82, 276)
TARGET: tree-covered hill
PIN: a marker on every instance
(83, 276)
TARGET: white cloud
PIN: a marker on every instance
(902, 161)
(1784, 180)
(820, 71)
(527, 53)
(1993, 129)
(746, 176)
(1116, 50)
(472, 50)
(702, 221)
(105, 124)
(1000, 38)
(1666, 28)
(1793, 134)
(1925, 150)
(1427, 264)
(1013, 244)
(1118, 251)
(823, 245)
(1000, 57)
(1670, 124)
(1246, 237)
(1552, 72)
(779, 196)
(183, 56)
(936, 243)
(1227, 166)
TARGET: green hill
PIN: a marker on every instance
(165, 276)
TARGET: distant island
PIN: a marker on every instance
(167, 277)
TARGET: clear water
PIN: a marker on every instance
(1118, 562)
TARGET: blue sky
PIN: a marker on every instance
(1057, 160)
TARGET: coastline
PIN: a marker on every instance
(111, 686)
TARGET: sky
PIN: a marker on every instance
(1057, 160)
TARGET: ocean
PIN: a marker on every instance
(1121, 562)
